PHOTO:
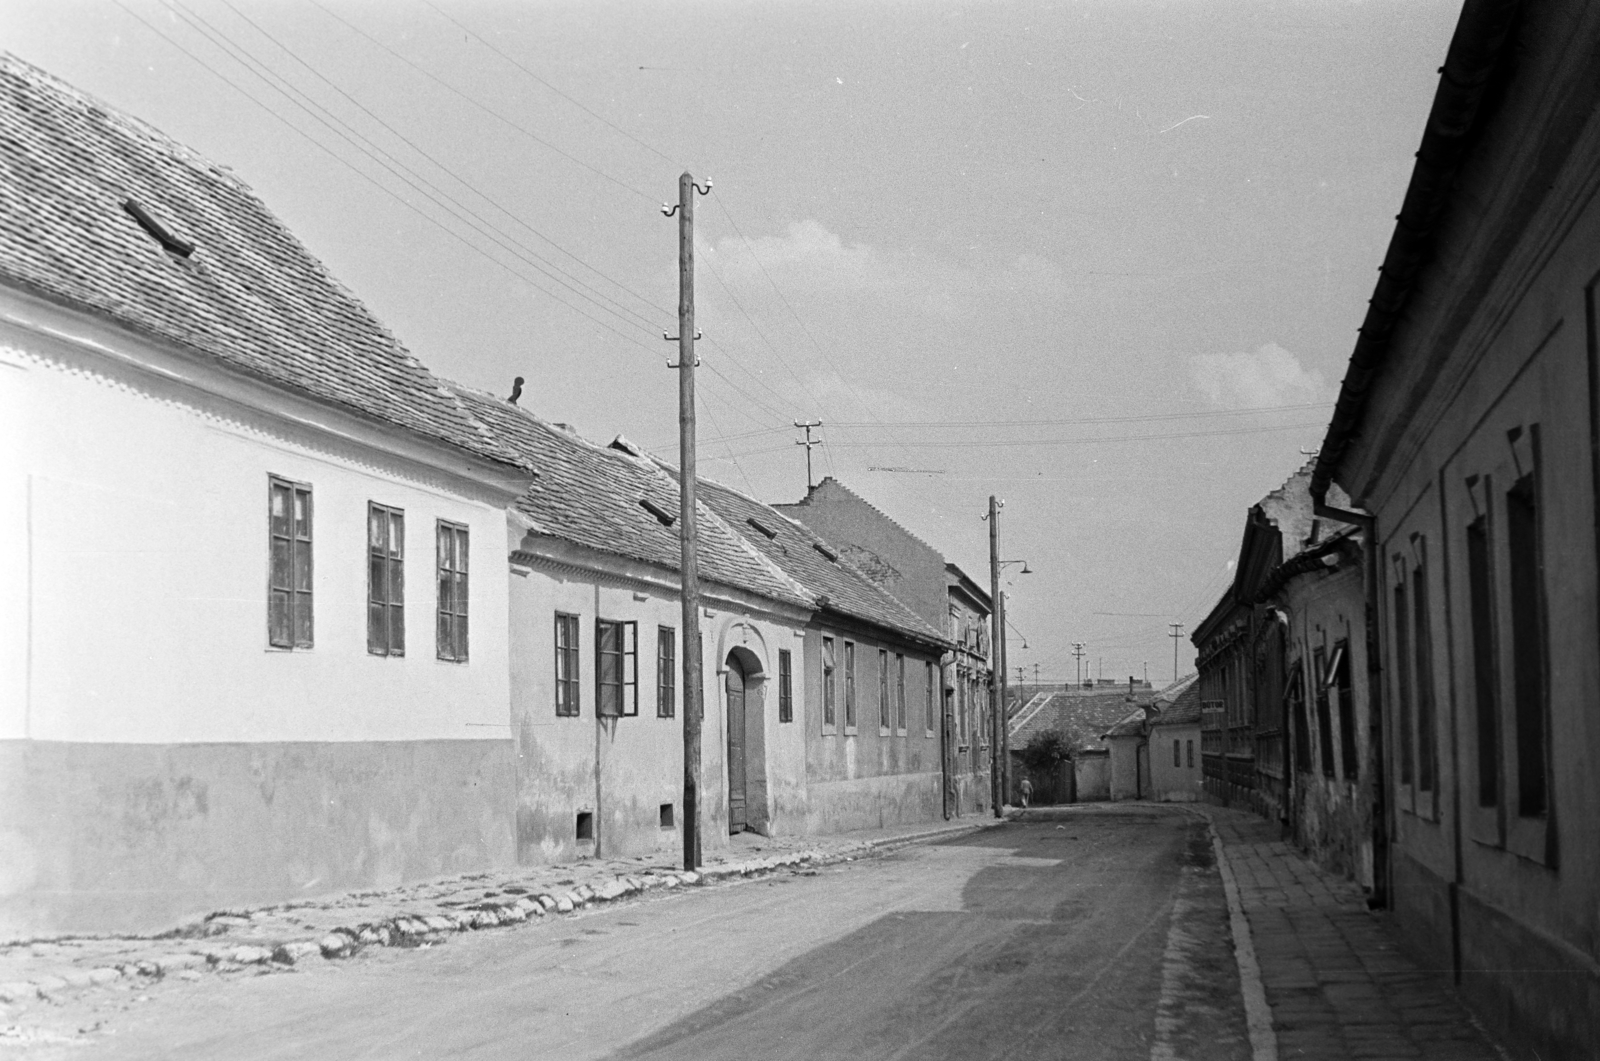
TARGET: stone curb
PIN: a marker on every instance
(423, 929)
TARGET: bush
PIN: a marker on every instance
(1046, 750)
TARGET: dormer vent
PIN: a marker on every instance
(158, 232)
(762, 527)
(826, 552)
(666, 518)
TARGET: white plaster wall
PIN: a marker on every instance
(1170, 783)
(639, 759)
(133, 529)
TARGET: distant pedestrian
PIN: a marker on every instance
(1027, 792)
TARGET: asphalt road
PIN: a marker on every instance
(1086, 935)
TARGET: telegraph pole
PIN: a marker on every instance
(693, 700)
(808, 443)
(1077, 652)
(997, 676)
(1036, 674)
(1175, 631)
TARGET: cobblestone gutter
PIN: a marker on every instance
(420, 915)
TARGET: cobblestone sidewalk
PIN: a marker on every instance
(35, 973)
(1336, 981)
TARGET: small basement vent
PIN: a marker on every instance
(585, 825)
(159, 232)
(825, 551)
(666, 518)
(667, 817)
(762, 527)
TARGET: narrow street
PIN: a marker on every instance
(1066, 935)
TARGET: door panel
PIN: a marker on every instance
(736, 743)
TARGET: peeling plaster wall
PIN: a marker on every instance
(866, 776)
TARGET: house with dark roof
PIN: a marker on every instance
(251, 552)
(1174, 737)
(945, 597)
(875, 745)
(1468, 439)
(597, 703)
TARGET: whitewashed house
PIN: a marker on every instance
(596, 632)
(251, 552)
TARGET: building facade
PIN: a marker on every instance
(261, 608)
(1466, 435)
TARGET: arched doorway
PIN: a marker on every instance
(747, 775)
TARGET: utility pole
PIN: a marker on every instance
(808, 443)
(997, 674)
(693, 698)
(1021, 670)
(1175, 631)
(1077, 652)
(1036, 674)
(1004, 720)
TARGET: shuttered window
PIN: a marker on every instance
(616, 646)
(567, 689)
(666, 671)
(785, 686)
(289, 563)
(386, 583)
(452, 561)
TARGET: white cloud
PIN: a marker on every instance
(809, 257)
(1269, 376)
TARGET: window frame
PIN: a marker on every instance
(830, 687)
(627, 656)
(1325, 756)
(1341, 684)
(452, 607)
(931, 673)
(849, 687)
(284, 584)
(666, 672)
(885, 705)
(386, 636)
(568, 666)
(785, 686)
(900, 694)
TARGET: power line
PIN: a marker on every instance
(1087, 441)
(1138, 418)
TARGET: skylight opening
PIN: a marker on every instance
(159, 232)
(666, 518)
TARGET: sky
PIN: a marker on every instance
(1104, 261)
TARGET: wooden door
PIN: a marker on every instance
(736, 747)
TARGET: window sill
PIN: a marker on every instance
(850, 731)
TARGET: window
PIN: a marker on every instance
(616, 668)
(1402, 656)
(289, 563)
(900, 693)
(1324, 716)
(1486, 680)
(1189, 751)
(452, 592)
(666, 671)
(931, 685)
(1526, 571)
(849, 685)
(1348, 753)
(1427, 744)
(829, 714)
(566, 665)
(785, 686)
(1302, 724)
(1177, 753)
(386, 581)
(885, 709)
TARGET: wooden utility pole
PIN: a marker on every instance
(693, 698)
(1175, 632)
(808, 443)
(997, 676)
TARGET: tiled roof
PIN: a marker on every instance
(590, 495)
(1184, 711)
(249, 295)
(1089, 714)
(805, 557)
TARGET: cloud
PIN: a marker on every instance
(1269, 376)
(809, 258)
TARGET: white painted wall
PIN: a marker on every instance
(134, 562)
